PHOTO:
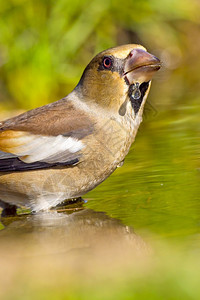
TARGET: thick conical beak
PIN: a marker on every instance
(140, 66)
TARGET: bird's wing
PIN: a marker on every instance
(4, 155)
(48, 136)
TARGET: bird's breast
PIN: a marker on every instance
(108, 147)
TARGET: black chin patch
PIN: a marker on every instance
(136, 103)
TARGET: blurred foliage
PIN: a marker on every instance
(45, 45)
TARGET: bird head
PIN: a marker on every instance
(118, 76)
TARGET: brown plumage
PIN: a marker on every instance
(61, 117)
(64, 149)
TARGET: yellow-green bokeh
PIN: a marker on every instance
(45, 45)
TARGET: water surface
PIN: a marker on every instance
(137, 234)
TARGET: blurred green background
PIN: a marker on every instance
(44, 48)
(45, 45)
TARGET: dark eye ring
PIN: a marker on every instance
(107, 62)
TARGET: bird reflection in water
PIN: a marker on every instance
(68, 232)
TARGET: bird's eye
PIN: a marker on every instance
(107, 62)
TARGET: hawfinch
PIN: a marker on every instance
(64, 149)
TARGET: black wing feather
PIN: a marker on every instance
(15, 164)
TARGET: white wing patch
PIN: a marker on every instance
(4, 155)
(50, 149)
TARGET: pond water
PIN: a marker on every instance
(158, 188)
(153, 199)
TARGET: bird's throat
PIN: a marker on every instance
(136, 94)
